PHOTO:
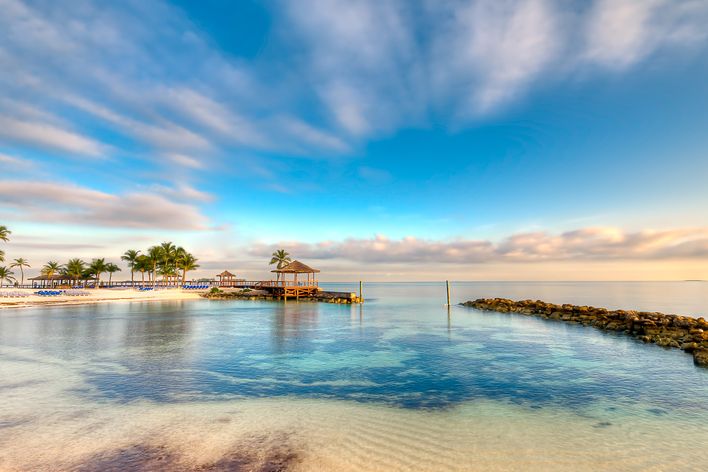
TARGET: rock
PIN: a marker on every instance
(700, 357)
(681, 332)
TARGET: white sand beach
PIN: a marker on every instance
(101, 295)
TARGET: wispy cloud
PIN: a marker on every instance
(12, 163)
(49, 202)
(620, 33)
(492, 50)
(338, 73)
(48, 136)
(578, 245)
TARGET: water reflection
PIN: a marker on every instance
(293, 324)
(403, 351)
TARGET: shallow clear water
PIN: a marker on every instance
(399, 383)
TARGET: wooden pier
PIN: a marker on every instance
(285, 286)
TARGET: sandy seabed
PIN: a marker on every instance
(94, 296)
(50, 421)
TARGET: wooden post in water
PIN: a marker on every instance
(361, 291)
(447, 285)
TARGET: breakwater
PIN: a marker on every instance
(675, 331)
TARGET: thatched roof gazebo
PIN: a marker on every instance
(226, 279)
(293, 286)
(59, 279)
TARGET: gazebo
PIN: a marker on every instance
(294, 287)
(226, 279)
(57, 280)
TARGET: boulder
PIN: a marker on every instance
(681, 332)
(700, 357)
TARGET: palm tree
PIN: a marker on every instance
(169, 254)
(74, 269)
(131, 257)
(97, 267)
(111, 268)
(187, 262)
(51, 269)
(142, 265)
(4, 233)
(6, 275)
(21, 263)
(282, 258)
(155, 256)
(168, 272)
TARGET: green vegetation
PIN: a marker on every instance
(5, 237)
(111, 269)
(282, 258)
(50, 269)
(131, 258)
(74, 270)
(21, 263)
(6, 275)
(171, 262)
(186, 262)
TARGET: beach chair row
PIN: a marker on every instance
(13, 294)
(145, 289)
(56, 293)
(195, 287)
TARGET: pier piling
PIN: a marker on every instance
(447, 285)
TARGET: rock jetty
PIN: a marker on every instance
(682, 332)
(248, 294)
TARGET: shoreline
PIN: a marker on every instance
(95, 296)
(671, 331)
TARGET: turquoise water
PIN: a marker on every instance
(401, 383)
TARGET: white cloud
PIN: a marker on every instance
(68, 204)
(48, 136)
(182, 192)
(336, 74)
(184, 160)
(512, 46)
(12, 163)
(620, 33)
(582, 244)
(361, 57)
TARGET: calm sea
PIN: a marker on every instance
(398, 383)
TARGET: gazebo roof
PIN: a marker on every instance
(226, 274)
(296, 267)
(58, 277)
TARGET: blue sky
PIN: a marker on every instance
(392, 140)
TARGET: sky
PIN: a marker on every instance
(376, 140)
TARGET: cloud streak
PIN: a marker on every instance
(48, 202)
(338, 74)
(584, 244)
